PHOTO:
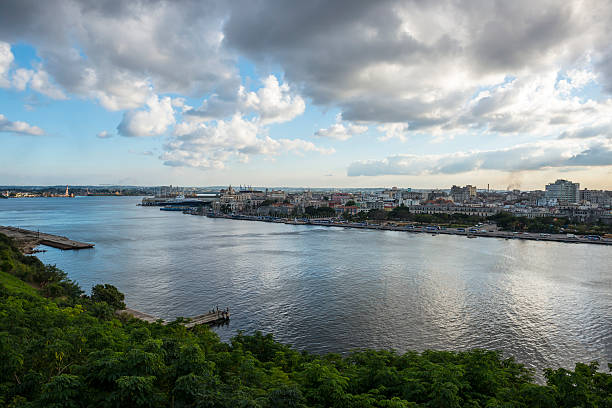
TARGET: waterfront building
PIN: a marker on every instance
(563, 191)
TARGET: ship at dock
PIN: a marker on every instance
(180, 201)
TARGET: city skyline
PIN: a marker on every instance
(341, 94)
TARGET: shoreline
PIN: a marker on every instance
(531, 236)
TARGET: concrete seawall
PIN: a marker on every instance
(423, 230)
(27, 240)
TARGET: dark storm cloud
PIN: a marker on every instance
(514, 34)
(355, 53)
(117, 50)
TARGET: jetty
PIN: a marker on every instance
(28, 239)
(211, 318)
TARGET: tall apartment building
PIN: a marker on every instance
(462, 194)
(563, 191)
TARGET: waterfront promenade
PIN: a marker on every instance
(483, 231)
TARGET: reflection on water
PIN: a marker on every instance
(334, 289)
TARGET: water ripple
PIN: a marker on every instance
(333, 289)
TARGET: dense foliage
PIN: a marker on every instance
(73, 351)
(550, 225)
(402, 213)
(320, 211)
(108, 294)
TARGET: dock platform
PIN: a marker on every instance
(31, 239)
(212, 317)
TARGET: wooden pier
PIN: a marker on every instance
(214, 317)
(28, 239)
(210, 318)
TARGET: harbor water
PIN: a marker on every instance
(333, 289)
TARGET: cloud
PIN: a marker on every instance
(416, 66)
(39, 81)
(210, 146)
(341, 131)
(537, 70)
(420, 65)
(154, 121)
(6, 59)
(104, 135)
(141, 153)
(207, 140)
(588, 132)
(394, 131)
(274, 102)
(115, 52)
(19, 127)
(531, 156)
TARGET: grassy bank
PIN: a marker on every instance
(60, 349)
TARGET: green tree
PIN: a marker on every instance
(377, 215)
(63, 391)
(109, 294)
(285, 397)
(136, 391)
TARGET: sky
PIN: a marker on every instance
(344, 93)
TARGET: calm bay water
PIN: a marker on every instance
(333, 289)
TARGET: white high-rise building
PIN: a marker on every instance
(563, 191)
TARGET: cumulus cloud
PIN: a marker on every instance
(409, 64)
(153, 121)
(274, 102)
(207, 140)
(415, 66)
(6, 59)
(39, 81)
(530, 156)
(210, 146)
(19, 127)
(341, 131)
(539, 104)
(538, 69)
(394, 131)
(114, 52)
